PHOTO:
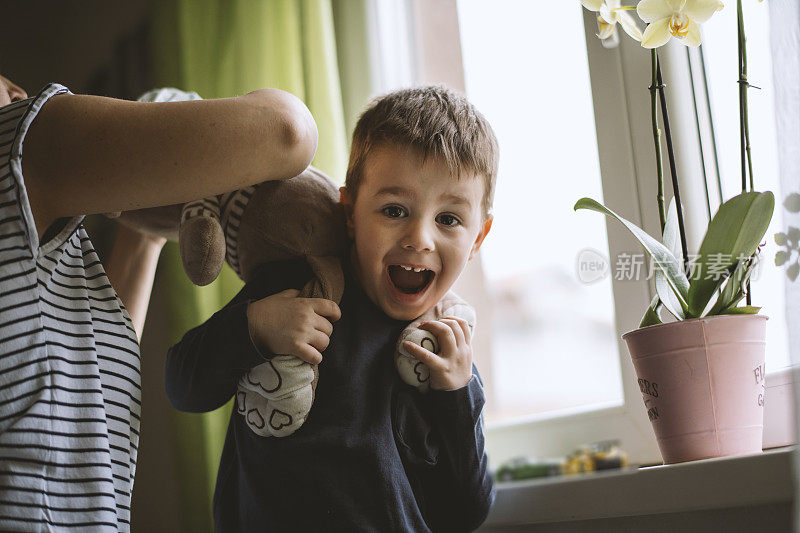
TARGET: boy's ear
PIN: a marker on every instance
(347, 203)
(487, 225)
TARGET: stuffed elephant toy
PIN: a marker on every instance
(296, 218)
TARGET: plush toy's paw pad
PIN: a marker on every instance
(423, 338)
(202, 246)
(281, 376)
(275, 397)
(414, 372)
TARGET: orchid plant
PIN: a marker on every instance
(719, 279)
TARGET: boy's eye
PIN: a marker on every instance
(394, 211)
(447, 220)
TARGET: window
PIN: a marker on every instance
(556, 429)
(512, 61)
(721, 70)
(554, 339)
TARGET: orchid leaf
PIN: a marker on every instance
(744, 310)
(734, 289)
(734, 233)
(672, 241)
(672, 235)
(662, 258)
(668, 297)
(651, 317)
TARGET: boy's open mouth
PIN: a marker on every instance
(410, 280)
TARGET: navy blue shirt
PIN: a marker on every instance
(374, 453)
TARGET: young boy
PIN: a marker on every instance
(374, 453)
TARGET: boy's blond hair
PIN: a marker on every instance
(441, 123)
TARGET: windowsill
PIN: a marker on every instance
(726, 482)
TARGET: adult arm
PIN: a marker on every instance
(90, 154)
(131, 267)
(459, 491)
(203, 369)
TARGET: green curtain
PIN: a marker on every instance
(222, 48)
(358, 72)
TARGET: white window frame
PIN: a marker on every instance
(619, 79)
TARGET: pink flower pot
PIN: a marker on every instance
(702, 382)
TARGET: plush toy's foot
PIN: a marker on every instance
(414, 372)
(275, 397)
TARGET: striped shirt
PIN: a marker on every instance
(69, 365)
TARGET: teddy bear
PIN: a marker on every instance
(296, 218)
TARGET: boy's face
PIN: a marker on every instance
(412, 215)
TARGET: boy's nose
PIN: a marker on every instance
(418, 238)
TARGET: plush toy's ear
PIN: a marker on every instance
(295, 218)
(202, 243)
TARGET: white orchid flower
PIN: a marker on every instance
(675, 18)
(609, 13)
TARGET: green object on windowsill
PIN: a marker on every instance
(520, 468)
(602, 455)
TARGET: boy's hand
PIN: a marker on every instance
(285, 324)
(451, 368)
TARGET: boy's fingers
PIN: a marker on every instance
(464, 327)
(444, 334)
(458, 333)
(326, 308)
(421, 354)
(309, 354)
(319, 340)
(289, 293)
(324, 325)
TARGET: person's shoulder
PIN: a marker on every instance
(17, 192)
(26, 110)
(276, 276)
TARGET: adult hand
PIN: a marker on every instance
(285, 324)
